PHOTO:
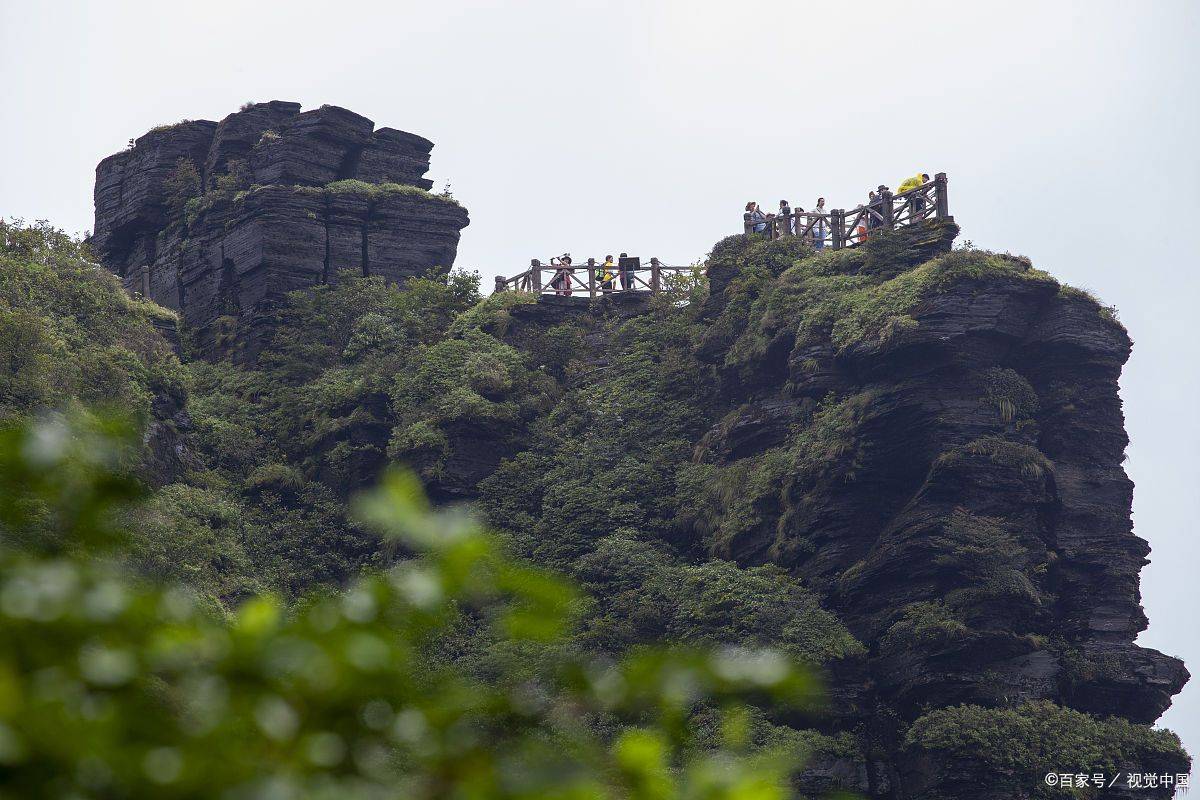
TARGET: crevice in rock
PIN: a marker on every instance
(366, 256)
(325, 265)
(228, 290)
(349, 166)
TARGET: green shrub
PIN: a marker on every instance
(1108, 313)
(836, 296)
(490, 314)
(1027, 742)
(182, 185)
(1031, 462)
(925, 626)
(759, 495)
(69, 332)
(378, 190)
(644, 595)
(275, 477)
(194, 536)
(1010, 393)
(237, 176)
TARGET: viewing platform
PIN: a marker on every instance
(836, 229)
(839, 228)
(628, 275)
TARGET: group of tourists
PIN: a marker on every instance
(607, 273)
(792, 221)
(814, 225)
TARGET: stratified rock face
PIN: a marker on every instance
(218, 220)
(967, 514)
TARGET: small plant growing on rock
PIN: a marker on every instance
(182, 184)
(269, 137)
(237, 177)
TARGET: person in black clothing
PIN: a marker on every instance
(626, 268)
(867, 221)
(918, 202)
(876, 218)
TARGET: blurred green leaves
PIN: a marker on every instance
(113, 687)
(62, 480)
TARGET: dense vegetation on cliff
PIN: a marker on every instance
(898, 464)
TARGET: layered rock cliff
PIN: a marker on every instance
(219, 220)
(953, 441)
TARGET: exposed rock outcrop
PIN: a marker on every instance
(218, 220)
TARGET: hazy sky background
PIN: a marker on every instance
(1069, 131)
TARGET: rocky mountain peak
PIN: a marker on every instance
(218, 220)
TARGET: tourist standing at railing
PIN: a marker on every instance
(607, 273)
(626, 268)
(562, 275)
(912, 183)
(867, 223)
(568, 271)
(820, 228)
(877, 215)
(785, 218)
(917, 204)
(757, 218)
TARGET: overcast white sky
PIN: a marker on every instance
(1068, 130)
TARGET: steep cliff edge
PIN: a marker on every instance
(219, 220)
(957, 490)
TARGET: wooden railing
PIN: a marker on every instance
(628, 275)
(839, 228)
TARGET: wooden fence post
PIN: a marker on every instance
(501, 284)
(146, 281)
(943, 205)
(655, 276)
(592, 277)
(535, 268)
(838, 224)
(749, 226)
(885, 205)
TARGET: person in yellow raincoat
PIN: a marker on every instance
(918, 203)
(606, 274)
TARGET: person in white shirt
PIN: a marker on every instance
(820, 227)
